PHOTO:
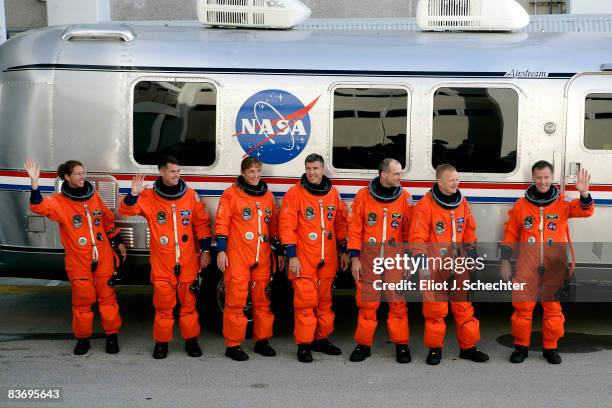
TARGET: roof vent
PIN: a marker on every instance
(471, 15)
(252, 13)
(93, 32)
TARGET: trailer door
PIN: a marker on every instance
(589, 145)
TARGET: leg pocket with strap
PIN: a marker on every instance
(305, 293)
(236, 292)
(83, 292)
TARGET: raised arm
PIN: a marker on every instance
(585, 206)
(47, 207)
(129, 205)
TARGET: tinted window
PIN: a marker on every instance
(598, 122)
(176, 118)
(475, 129)
(369, 125)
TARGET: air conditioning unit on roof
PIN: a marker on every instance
(252, 13)
(471, 15)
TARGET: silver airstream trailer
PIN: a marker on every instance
(118, 96)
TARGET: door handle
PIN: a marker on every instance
(574, 169)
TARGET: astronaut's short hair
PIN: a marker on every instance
(314, 157)
(443, 168)
(165, 160)
(385, 164)
(249, 162)
(542, 164)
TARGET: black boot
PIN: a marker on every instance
(473, 354)
(112, 344)
(236, 353)
(303, 353)
(434, 356)
(82, 346)
(519, 354)
(192, 347)
(324, 346)
(552, 356)
(360, 353)
(160, 350)
(264, 348)
(402, 354)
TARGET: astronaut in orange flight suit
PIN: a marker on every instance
(538, 223)
(87, 230)
(442, 226)
(178, 222)
(246, 227)
(380, 223)
(313, 222)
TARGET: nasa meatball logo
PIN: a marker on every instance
(77, 221)
(274, 126)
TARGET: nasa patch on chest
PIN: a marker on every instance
(439, 227)
(161, 218)
(528, 223)
(372, 218)
(247, 214)
(77, 221)
(309, 213)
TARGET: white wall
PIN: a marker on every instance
(23, 14)
(2, 23)
(61, 12)
(186, 9)
(590, 6)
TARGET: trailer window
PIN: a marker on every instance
(475, 129)
(369, 125)
(175, 118)
(598, 122)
